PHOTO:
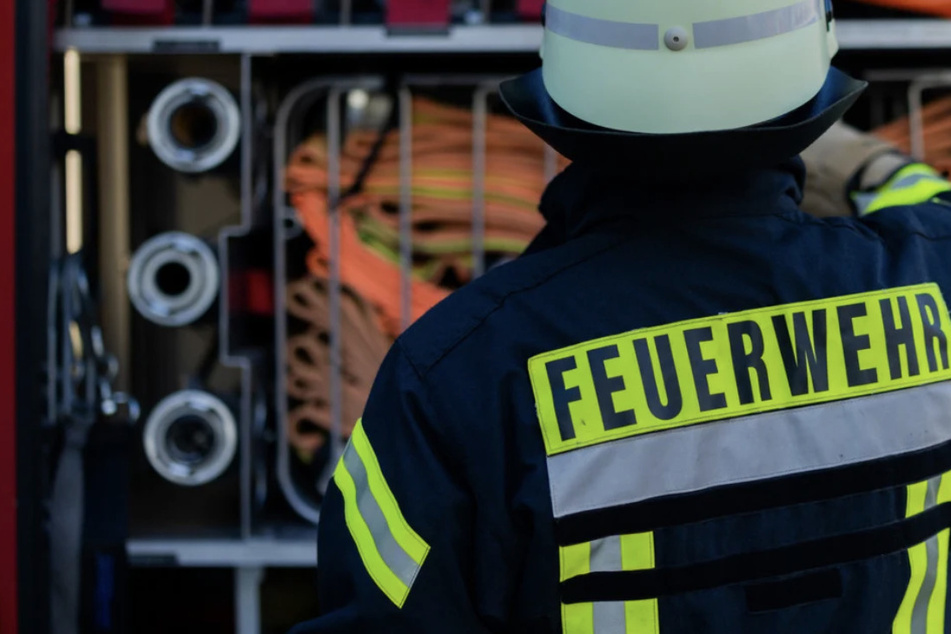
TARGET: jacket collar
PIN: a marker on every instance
(586, 196)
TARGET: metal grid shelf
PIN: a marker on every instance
(853, 35)
(197, 553)
(249, 559)
(317, 39)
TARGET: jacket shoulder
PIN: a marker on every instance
(443, 328)
(930, 220)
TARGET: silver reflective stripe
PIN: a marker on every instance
(606, 554)
(396, 559)
(609, 618)
(646, 37)
(628, 35)
(919, 614)
(863, 202)
(758, 26)
(750, 448)
(912, 180)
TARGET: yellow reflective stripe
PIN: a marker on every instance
(936, 607)
(912, 185)
(391, 551)
(917, 558)
(575, 560)
(642, 617)
(576, 618)
(381, 574)
(637, 553)
(922, 610)
(639, 617)
(915, 503)
(731, 365)
(406, 537)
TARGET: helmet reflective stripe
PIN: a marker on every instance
(642, 37)
(755, 27)
(646, 37)
(625, 65)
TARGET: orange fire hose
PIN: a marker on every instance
(933, 7)
(443, 188)
(442, 185)
(936, 119)
(363, 347)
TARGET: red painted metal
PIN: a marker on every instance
(530, 9)
(426, 14)
(141, 11)
(136, 6)
(251, 292)
(280, 11)
(8, 481)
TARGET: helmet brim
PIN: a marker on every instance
(761, 145)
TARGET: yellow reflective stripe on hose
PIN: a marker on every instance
(390, 549)
(923, 606)
(912, 185)
(613, 553)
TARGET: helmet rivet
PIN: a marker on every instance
(677, 38)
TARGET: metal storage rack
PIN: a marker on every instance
(853, 35)
(251, 552)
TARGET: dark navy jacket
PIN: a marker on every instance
(454, 422)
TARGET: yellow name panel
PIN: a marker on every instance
(736, 364)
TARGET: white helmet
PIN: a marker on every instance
(682, 66)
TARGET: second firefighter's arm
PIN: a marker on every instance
(849, 172)
(394, 540)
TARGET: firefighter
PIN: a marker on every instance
(690, 407)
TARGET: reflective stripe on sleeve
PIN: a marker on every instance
(922, 610)
(912, 185)
(390, 549)
(611, 554)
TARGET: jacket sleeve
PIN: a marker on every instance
(394, 538)
(872, 173)
(912, 184)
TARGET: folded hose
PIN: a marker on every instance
(363, 346)
(443, 188)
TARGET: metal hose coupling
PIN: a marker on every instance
(194, 125)
(190, 438)
(173, 279)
